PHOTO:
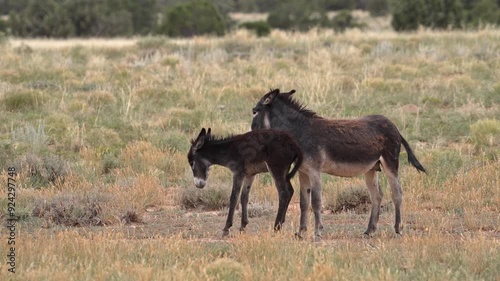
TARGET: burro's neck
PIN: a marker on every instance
(290, 120)
(217, 153)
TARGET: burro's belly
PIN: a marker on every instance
(343, 169)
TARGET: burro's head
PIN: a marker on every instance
(198, 163)
(266, 109)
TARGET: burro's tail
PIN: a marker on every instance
(411, 157)
(298, 161)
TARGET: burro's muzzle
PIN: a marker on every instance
(199, 183)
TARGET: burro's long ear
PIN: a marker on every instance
(289, 93)
(270, 96)
(209, 132)
(200, 140)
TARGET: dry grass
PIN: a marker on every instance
(119, 115)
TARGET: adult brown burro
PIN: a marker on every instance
(247, 155)
(340, 147)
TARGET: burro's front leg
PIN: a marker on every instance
(305, 201)
(316, 203)
(245, 193)
(235, 193)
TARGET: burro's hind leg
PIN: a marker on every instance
(279, 175)
(371, 179)
(290, 192)
(391, 172)
(235, 193)
(245, 193)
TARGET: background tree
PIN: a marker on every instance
(344, 20)
(441, 14)
(42, 19)
(297, 15)
(406, 14)
(377, 8)
(196, 17)
(485, 12)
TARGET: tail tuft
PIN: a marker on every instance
(298, 162)
(411, 157)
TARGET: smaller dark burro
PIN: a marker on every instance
(247, 155)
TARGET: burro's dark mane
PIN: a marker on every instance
(213, 139)
(296, 105)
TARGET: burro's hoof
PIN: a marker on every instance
(298, 236)
(367, 235)
(317, 238)
(225, 233)
(242, 230)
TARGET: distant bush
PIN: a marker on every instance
(355, 198)
(3, 26)
(197, 17)
(209, 198)
(485, 12)
(261, 28)
(442, 14)
(377, 8)
(42, 170)
(344, 20)
(226, 269)
(70, 210)
(3, 38)
(23, 100)
(486, 132)
(337, 5)
(60, 18)
(408, 15)
(42, 19)
(299, 15)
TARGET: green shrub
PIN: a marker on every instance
(297, 15)
(23, 100)
(42, 170)
(3, 38)
(355, 198)
(408, 15)
(344, 20)
(226, 269)
(377, 8)
(485, 12)
(70, 210)
(441, 14)
(197, 17)
(337, 5)
(151, 42)
(109, 162)
(3, 25)
(261, 28)
(35, 138)
(42, 19)
(209, 198)
(486, 132)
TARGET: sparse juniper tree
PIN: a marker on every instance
(299, 15)
(196, 17)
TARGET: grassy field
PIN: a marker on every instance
(98, 131)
